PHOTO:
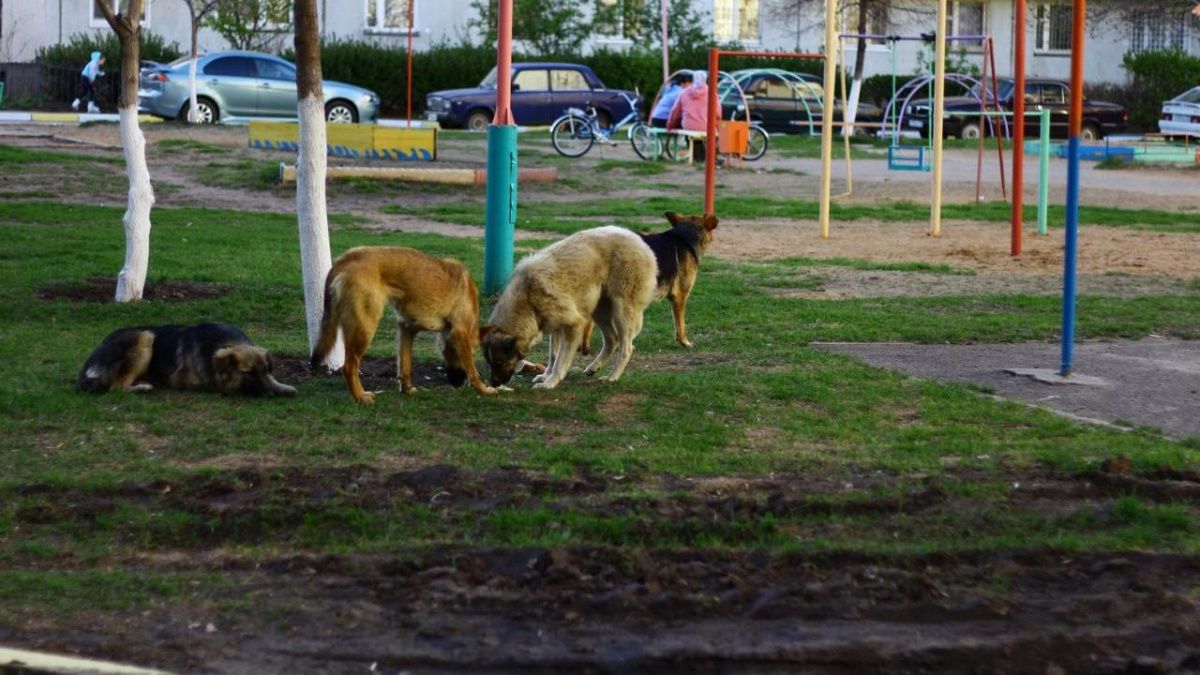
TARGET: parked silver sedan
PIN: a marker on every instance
(245, 84)
(1181, 115)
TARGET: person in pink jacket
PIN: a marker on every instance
(691, 111)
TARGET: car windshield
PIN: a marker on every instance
(1006, 88)
(179, 62)
(1192, 96)
(489, 80)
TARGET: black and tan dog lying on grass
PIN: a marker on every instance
(204, 357)
(677, 252)
(428, 294)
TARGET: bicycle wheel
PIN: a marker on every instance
(676, 147)
(572, 136)
(645, 142)
(756, 143)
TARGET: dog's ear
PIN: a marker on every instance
(709, 222)
(484, 331)
(672, 217)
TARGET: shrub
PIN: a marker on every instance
(76, 51)
(1156, 77)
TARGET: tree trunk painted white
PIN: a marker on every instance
(132, 278)
(852, 105)
(191, 116)
(315, 258)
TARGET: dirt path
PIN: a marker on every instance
(585, 609)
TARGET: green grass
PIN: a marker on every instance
(242, 173)
(93, 482)
(575, 216)
(188, 144)
(12, 156)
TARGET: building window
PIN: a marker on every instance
(1053, 32)
(119, 6)
(618, 19)
(735, 20)
(389, 15)
(1156, 31)
(966, 18)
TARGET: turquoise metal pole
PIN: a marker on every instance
(1044, 172)
(501, 216)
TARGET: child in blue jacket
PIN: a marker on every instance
(87, 83)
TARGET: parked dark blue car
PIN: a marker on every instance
(541, 92)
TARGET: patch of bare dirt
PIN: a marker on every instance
(963, 244)
(840, 282)
(103, 289)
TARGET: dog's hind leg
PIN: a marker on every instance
(678, 309)
(603, 318)
(134, 365)
(357, 330)
(627, 323)
(566, 342)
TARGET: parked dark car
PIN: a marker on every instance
(540, 93)
(1100, 118)
(244, 84)
(785, 102)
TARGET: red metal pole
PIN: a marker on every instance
(408, 80)
(710, 143)
(1075, 121)
(503, 114)
(1018, 136)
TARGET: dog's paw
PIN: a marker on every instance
(538, 379)
(590, 371)
(489, 391)
(368, 398)
(544, 385)
(611, 378)
(526, 367)
(285, 390)
(688, 344)
(504, 387)
(141, 388)
(409, 391)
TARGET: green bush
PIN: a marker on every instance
(1156, 77)
(76, 51)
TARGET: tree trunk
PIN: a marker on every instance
(860, 61)
(191, 116)
(132, 277)
(315, 259)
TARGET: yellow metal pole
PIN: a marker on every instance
(827, 106)
(939, 108)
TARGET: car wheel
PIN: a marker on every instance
(970, 131)
(478, 120)
(340, 112)
(207, 111)
(1089, 133)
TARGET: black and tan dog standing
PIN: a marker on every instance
(428, 294)
(678, 252)
(204, 357)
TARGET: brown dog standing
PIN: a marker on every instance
(678, 252)
(428, 294)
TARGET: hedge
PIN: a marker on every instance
(1157, 77)
(77, 51)
(383, 69)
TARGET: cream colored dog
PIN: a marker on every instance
(606, 273)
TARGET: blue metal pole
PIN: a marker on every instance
(501, 215)
(1070, 249)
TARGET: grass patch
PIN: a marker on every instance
(551, 216)
(13, 156)
(635, 168)
(190, 145)
(245, 173)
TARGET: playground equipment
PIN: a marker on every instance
(714, 114)
(501, 209)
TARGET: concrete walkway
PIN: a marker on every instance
(1153, 382)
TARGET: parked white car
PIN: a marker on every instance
(1181, 115)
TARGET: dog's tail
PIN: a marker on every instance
(329, 322)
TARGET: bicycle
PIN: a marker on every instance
(577, 130)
